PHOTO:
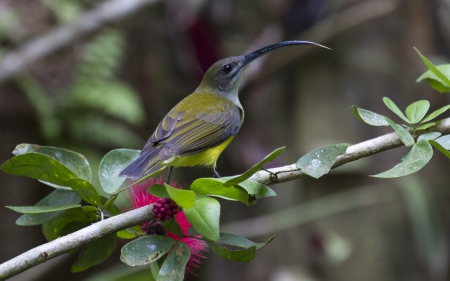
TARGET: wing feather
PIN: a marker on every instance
(185, 131)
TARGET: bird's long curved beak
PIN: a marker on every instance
(253, 55)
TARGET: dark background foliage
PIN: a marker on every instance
(111, 88)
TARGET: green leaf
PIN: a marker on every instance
(183, 198)
(109, 202)
(319, 162)
(417, 110)
(151, 175)
(86, 191)
(38, 166)
(369, 117)
(439, 147)
(255, 168)
(173, 226)
(111, 208)
(425, 126)
(75, 162)
(393, 107)
(245, 255)
(146, 249)
(444, 141)
(434, 69)
(95, 253)
(41, 209)
(124, 234)
(429, 136)
(90, 209)
(192, 231)
(111, 165)
(154, 268)
(56, 198)
(245, 192)
(436, 113)
(402, 133)
(158, 190)
(67, 222)
(214, 186)
(239, 241)
(412, 162)
(204, 216)
(174, 265)
(258, 190)
(437, 85)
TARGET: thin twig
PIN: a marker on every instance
(106, 227)
(107, 12)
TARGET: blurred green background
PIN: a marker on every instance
(109, 89)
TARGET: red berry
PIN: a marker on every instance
(165, 209)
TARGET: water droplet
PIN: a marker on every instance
(315, 163)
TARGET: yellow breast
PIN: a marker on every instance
(206, 158)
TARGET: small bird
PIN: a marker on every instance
(200, 127)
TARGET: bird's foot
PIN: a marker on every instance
(216, 174)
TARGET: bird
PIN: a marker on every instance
(202, 125)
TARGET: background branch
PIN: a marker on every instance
(106, 227)
(107, 12)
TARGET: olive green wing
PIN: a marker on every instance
(184, 133)
(187, 134)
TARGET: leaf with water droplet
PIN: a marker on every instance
(319, 162)
(369, 117)
(402, 133)
(419, 155)
(111, 165)
(429, 136)
(146, 249)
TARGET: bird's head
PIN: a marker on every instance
(225, 75)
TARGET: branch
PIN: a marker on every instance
(354, 152)
(106, 227)
(109, 11)
(74, 241)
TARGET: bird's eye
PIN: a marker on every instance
(227, 68)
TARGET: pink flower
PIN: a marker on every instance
(140, 197)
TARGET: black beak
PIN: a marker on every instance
(253, 55)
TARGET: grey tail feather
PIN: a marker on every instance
(136, 169)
